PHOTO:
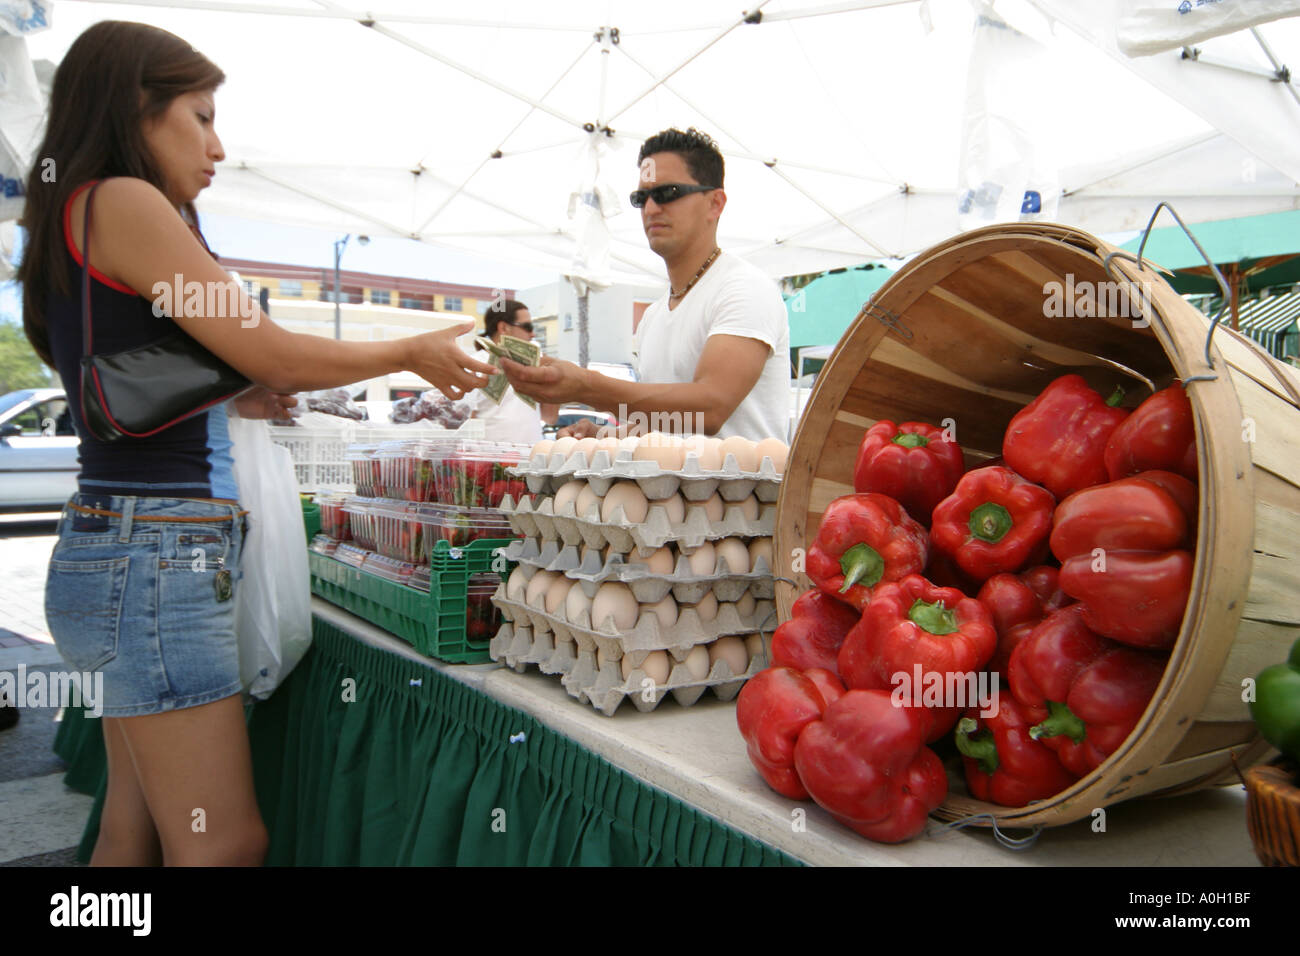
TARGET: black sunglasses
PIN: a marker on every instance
(667, 193)
(526, 326)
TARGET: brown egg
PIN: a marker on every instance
(707, 609)
(655, 666)
(760, 548)
(742, 449)
(564, 446)
(665, 610)
(627, 496)
(749, 508)
(731, 650)
(587, 499)
(516, 585)
(775, 449)
(745, 604)
(538, 586)
(734, 553)
(674, 506)
(543, 447)
(567, 494)
(614, 601)
(555, 595)
(658, 562)
(575, 602)
(703, 560)
(587, 446)
(697, 662)
(661, 449)
(714, 508)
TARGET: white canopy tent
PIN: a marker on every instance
(846, 125)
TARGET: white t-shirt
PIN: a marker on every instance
(731, 298)
(511, 421)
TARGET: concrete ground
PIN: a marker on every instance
(41, 820)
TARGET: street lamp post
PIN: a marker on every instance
(339, 246)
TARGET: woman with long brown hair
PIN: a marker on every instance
(142, 576)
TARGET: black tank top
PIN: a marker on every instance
(189, 460)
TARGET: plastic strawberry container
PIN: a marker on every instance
(482, 617)
(407, 468)
(472, 474)
(361, 521)
(334, 522)
(398, 531)
(460, 526)
(365, 470)
(390, 569)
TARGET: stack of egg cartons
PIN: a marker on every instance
(645, 570)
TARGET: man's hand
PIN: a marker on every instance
(582, 428)
(553, 382)
(260, 402)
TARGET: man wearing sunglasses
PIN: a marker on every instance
(715, 348)
(511, 420)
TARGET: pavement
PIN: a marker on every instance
(41, 820)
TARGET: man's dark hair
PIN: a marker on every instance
(696, 149)
(501, 310)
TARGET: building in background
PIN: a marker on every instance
(373, 308)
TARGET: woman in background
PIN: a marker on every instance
(512, 419)
(130, 143)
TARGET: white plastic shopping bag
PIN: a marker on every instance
(273, 599)
(1145, 27)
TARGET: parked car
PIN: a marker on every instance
(38, 450)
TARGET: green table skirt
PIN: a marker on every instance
(366, 758)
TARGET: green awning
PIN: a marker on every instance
(821, 311)
(1263, 251)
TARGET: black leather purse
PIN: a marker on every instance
(142, 391)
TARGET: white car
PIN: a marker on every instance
(38, 450)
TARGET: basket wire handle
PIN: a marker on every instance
(1218, 277)
(1018, 844)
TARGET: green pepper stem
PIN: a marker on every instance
(934, 618)
(861, 564)
(1116, 396)
(979, 748)
(910, 440)
(1060, 720)
(990, 522)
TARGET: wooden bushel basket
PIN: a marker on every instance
(962, 333)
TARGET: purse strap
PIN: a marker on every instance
(86, 333)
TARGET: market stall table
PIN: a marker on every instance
(387, 778)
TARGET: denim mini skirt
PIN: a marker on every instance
(142, 591)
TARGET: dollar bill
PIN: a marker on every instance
(517, 350)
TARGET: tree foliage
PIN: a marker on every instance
(20, 367)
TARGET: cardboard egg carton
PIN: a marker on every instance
(647, 587)
(605, 688)
(544, 474)
(517, 647)
(534, 519)
(648, 635)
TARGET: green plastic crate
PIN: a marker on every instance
(435, 622)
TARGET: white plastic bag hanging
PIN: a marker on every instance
(1145, 27)
(1008, 170)
(273, 599)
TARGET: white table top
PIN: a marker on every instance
(697, 755)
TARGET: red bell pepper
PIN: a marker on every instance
(1017, 603)
(1159, 435)
(773, 708)
(828, 682)
(913, 627)
(1003, 762)
(1121, 546)
(863, 540)
(1059, 439)
(914, 463)
(866, 763)
(994, 522)
(813, 635)
(1084, 694)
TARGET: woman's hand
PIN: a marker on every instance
(260, 402)
(435, 358)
